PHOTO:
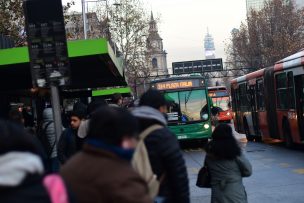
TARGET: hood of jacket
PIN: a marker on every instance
(150, 113)
(47, 114)
(15, 166)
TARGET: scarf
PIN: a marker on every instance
(126, 154)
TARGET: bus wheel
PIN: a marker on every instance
(287, 135)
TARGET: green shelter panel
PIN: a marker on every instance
(93, 65)
(110, 91)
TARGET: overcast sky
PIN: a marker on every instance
(184, 24)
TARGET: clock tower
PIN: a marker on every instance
(155, 52)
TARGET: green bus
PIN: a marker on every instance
(188, 106)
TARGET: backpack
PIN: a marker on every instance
(42, 137)
(56, 189)
(141, 162)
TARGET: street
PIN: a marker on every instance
(278, 174)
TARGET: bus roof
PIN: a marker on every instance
(249, 76)
(294, 60)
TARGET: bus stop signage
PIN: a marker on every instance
(47, 42)
(199, 66)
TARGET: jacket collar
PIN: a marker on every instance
(98, 145)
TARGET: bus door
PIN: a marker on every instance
(253, 108)
(236, 108)
(299, 85)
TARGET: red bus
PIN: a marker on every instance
(220, 98)
(269, 103)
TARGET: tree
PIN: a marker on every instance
(128, 25)
(125, 24)
(12, 20)
(269, 35)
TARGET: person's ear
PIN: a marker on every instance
(163, 109)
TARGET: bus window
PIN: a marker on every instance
(291, 90)
(281, 90)
(260, 95)
(187, 106)
(174, 107)
(221, 102)
(193, 103)
(244, 101)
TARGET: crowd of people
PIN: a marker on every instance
(91, 160)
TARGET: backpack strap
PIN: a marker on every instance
(145, 134)
(149, 130)
(56, 188)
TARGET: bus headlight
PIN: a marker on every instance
(206, 126)
(205, 116)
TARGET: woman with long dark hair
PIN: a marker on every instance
(227, 166)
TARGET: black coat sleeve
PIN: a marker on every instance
(174, 167)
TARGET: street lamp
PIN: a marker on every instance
(84, 18)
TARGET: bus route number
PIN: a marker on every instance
(174, 85)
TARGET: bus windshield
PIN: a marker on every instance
(187, 106)
(221, 102)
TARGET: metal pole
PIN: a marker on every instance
(56, 111)
(135, 88)
(84, 19)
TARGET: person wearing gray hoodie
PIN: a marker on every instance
(48, 127)
(164, 152)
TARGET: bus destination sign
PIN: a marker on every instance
(174, 85)
(177, 84)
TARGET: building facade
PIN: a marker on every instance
(156, 55)
(209, 46)
(6, 42)
(74, 26)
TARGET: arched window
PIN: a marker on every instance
(154, 63)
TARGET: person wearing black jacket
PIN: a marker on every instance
(69, 143)
(163, 148)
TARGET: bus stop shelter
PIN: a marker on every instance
(93, 64)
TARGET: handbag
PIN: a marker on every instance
(203, 178)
